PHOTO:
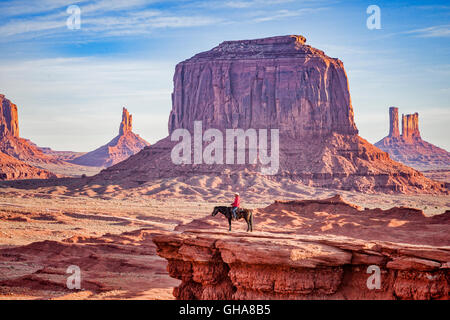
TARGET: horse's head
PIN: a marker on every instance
(215, 211)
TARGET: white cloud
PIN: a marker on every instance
(432, 32)
(26, 7)
(32, 7)
(282, 14)
(100, 18)
(35, 25)
(103, 6)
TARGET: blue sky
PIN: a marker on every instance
(70, 85)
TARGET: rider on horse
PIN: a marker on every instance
(236, 204)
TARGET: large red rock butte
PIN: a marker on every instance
(409, 147)
(120, 148)
(274, 83)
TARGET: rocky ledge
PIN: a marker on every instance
(324, 249)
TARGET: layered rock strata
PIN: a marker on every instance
(276, 82)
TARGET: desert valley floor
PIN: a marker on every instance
(107, 232)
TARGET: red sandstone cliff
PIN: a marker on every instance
(409, 148)
(120, 148)
(9, 122)
(410, 127)
(11, 143)
(127, 123)
(16, 154)
(274, 83)
(393, 123)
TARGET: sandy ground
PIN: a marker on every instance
(68, 169)
(120, 272)
(106, 231)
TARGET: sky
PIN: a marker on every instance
(71, 83)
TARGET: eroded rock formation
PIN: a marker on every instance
(410, 127)
(120, 148)
(9, 122)
(393, 122)
(274, 83)
(127, 122)
(18, 156)
(312, 249)
(10, 142)
(410, 148)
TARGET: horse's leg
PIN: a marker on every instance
(248, 222)
(251, 221)
(229, 222)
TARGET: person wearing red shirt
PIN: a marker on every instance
(236, 204)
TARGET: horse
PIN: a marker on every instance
(247, 214)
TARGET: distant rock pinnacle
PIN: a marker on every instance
(118, 149)
(393, 122)
(410, 127)
(127, 122)
(409, 148)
